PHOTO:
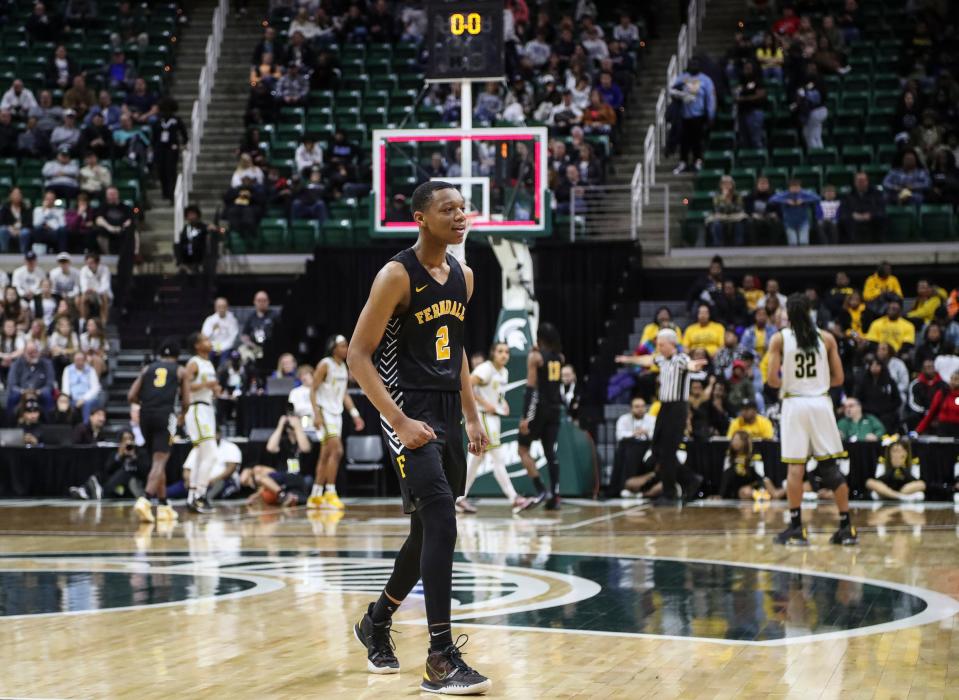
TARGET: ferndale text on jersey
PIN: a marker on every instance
(441, 308)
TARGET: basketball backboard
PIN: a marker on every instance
(502, 174)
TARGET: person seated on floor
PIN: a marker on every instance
(897, 476)
(647, 483)
(123, 475)
(744, 474)
(278, 471)
(273, 487)
(223, 479)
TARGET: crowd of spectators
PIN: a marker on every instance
(899, 358)
(801, 60)
(53, 347)
(565, 72)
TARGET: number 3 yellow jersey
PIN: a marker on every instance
(804, 372)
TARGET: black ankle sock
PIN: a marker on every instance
(795, 517)
(844, 520)
(383, 609)
(441, 636)
(538, 484)
(553, 467)
(164, 502)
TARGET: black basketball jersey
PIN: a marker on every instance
(159, 387)
(548, 381)
(422, 349)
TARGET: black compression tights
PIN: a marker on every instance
(548, 439)
(428, 554)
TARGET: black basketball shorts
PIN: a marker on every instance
(544, 426)
(158, 429)
(438, 468)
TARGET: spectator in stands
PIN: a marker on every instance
(751, 291)
(244, 209)
(878, 394)
(299, 54)
(81, 383)
(62, 343)
(722, 361)
(193, 243)
(143, 105)
(340, 149)
(95, 288)
(15, 222)
(292, 88)
(881, 286)
(111, 113)
(770, 57)
(943, 414)
(944, 177)
(18, 99)
(565, 114)
(96, 345)
(489, 104)
(308, 154)
(118, 74)
(14, 308)
(97, 138)
(94, 178)
(67, 134)
(30, 372)
(611, 93)
(263, 79)
(727, 213)
(762, 216)
(856, 426)
(757, 427)
(268, 45)
(91, 431)
(31, 143)
(599, 117)
(788, 24)
(731, 306)
(921, 391)
(821, 315)
(308, 201)
(931, 345)
(8, 134)
(45, 303)
(130, 27)
(114, 222)
(750, 97)
(928, 299)
(756, 337)
(829, 224)
(697, 93)
(569, 391)
(259, 326)
(704, 333)
(80, 221)
(222, 328)
(131, 141)
(246, 170)
(26, 278)
(79, 97)
(61, 69)
(809, 102)
(795, 205)
(569, 193)
(169, 138)
(48, 115)
(893, 329)
(12, 343)
(79, 13)
(897, 369)
(855, 318)
(908, 183)
(862, 213)
(897, 475)
(62, 175)
(64, 279)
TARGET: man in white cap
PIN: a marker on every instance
(65, 280)
(329, 400)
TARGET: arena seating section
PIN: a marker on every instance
(858, 135)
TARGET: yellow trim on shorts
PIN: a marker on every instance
(804, 396)
(328, 437)
(838, 455)
(785, 460)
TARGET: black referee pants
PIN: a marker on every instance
(668, 433)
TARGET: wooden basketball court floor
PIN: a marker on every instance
(611, 600)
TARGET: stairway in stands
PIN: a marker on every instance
(224, 125)
(156, 235)
(719, 26)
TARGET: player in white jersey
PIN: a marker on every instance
(489, 381)
(329, 399)
(200, 420)
(810, 364)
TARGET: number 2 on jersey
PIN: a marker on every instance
(805, 365)
(443, 343)
(552, 370)
(159, 377)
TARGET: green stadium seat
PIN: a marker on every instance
(237, 244)
(902, 223)
(848, 116)
(272, 238)
(856, 83)
(822, 156)
(886, 81)
(839, 175)
(701, 200)
(886, 154)
(787, 157)
(778, 177)
(722, 140)
(936, 222)
(847, 135)
(707, 179)
(320, 98)
(692, 227)
(784, 138)
(857, 155)
(721, 160)
(876, 173)
(875, 136)
(857, 100)
(751, 157)
(304, 236)
(745, 178)
(810, 176)
(337, 232)
(886, 98)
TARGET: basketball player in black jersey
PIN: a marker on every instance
(414, 323)
(541, 413)
(155, 390)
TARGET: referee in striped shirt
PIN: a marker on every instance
(674, 370)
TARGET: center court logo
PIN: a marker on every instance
(619, 595)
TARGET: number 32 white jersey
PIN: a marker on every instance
(804, 373)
